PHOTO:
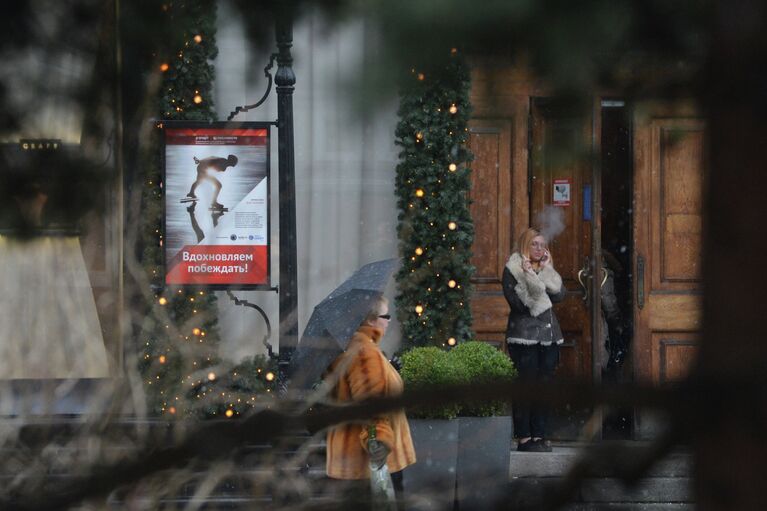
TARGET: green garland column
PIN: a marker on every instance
(435, 228)
(179, 336)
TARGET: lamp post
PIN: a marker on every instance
(285, 78)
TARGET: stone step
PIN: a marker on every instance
(633, 506)
(561, 459)
(667, 486)
(528, 491)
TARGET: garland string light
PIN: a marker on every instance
(435, 228)
(180, 365)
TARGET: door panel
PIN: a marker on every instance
(490, 140)
(668, 186)
(678, 148)
(675, 353)
(560, 149)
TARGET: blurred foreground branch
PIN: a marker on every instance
(686, 405)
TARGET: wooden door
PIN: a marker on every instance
(668, 192)
(491, 185)
(508, 192)
(561, 145)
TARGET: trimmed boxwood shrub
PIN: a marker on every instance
(475, 361)
(430, 367)
(482, 363)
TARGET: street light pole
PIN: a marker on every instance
(285, 79)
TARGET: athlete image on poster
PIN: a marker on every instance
(205, 165)
(217, 204)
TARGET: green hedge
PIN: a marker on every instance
(430, 367)
(477, 362)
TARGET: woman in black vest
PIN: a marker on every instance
(531, 285)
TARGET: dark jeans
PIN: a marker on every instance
(535, 363)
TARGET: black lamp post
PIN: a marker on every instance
(285, 79)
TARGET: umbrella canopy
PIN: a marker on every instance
(334, 321)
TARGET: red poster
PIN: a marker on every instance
(217, 204)
(561, 192)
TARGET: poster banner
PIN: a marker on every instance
(217, 204)
(561, 192)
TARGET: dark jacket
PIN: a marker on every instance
(613, 338)
(530, 296)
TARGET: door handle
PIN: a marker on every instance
(640, 281)
(604, 278)
(583, 275)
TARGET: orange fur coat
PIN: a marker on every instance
(363, 372)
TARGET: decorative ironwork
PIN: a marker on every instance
(268, 75)
(268, 335)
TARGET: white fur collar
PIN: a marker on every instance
(530, 288)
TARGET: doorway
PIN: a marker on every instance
(580, 187)
(561, 179)
(640, 167)
(616, 221)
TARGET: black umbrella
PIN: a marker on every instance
(334, 321)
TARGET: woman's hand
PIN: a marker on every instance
(527, 265)
(545, 259)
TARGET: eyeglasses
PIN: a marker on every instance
(384, 316)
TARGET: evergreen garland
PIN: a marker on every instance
(435, 228)
(180, 338)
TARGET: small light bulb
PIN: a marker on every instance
(162, 359)
(164, 67)
(418, 251)
(419, 136)
(211, 376)
(451, 341)
(196, 331)
(229, 413)
(419, 193)
(269, 376)
(162, 300)
(421, 77)
(452, 226)
(452, 167)
(197, 99)
(172, 410)
(451, 283)
(418, 309)
(198, 38)
(453, 109)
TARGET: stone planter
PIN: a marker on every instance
(430, 483)
(484, 445)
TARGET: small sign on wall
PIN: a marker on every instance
(561, 192)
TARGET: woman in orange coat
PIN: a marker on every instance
(362, 372)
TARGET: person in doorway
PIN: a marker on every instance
(361, 372)
(613, 338)
(531, 285)
(217, 164)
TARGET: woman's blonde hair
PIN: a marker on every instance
(376, 309)
(524, 241)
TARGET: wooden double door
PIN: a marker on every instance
(624, 184)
